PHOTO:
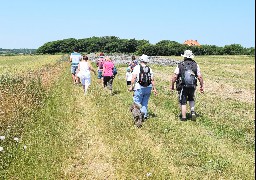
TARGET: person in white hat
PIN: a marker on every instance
(185, 76)
(142, 84)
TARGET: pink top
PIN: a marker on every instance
(108, 68)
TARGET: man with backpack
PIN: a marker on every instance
(185, 76)
(142, 83)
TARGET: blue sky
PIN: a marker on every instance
(31, 23)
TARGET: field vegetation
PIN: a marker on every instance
(50, 130)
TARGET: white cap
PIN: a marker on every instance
(144, 58)
(188, 54)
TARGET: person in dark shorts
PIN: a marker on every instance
(186, 74)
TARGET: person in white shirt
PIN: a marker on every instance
(128, 77)
(84, 68)
(142, 83)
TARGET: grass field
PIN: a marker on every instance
(63, 134)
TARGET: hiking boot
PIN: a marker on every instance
(139, 124)
(193, 116)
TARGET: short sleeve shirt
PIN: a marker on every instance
(108, 68)
(136, 71)
(76, 57)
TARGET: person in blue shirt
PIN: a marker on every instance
(75, 58)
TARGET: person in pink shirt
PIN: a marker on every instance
(108, 76)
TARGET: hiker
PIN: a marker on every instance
(185, 76)
(75, 58)
(99, 64)
(108, 75)
(84, 68)
(128, 77)
(142, 83)
(133, 63)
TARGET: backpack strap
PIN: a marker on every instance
(141, 69)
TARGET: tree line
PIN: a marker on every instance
(17, 51)
(112, 44)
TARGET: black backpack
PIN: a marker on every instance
(144, 76)
(188, 73)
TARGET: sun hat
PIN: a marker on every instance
(144, 58)
(188, 54)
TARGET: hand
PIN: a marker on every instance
(154, 90)
(131, 88)
(201, 89)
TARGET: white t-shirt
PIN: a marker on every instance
(136, 71)
(128, 76)
(84, 70)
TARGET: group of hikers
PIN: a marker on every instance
(140, 80)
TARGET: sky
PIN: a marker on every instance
(32, 23)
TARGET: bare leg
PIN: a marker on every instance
(192, 105)
(73, 78)
(183, 111)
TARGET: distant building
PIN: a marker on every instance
(191, 43)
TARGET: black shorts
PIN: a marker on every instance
(128, 83)
(186, 94)
(108, 81)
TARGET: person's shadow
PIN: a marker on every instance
(189, 117)
(115, 92)
(151, 115)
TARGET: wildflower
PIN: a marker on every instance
(149, 174)
(1, 149)
(16, 139)
(2, 137)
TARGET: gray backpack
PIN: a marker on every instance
(188, 73)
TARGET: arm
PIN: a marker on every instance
(153, 86)
(70, 59)
(200, 78)
(173, 80)
(90, 67)
(133, 81)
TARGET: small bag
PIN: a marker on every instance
(114, 71)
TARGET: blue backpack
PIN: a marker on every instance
(114, 71)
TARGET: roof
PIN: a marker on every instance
(191, 43)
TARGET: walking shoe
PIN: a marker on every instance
(138, 124)
(193, 116)
(183, 119)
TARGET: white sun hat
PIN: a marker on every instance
(188, 54)
(144, 58)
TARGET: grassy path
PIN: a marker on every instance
(93, 136)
